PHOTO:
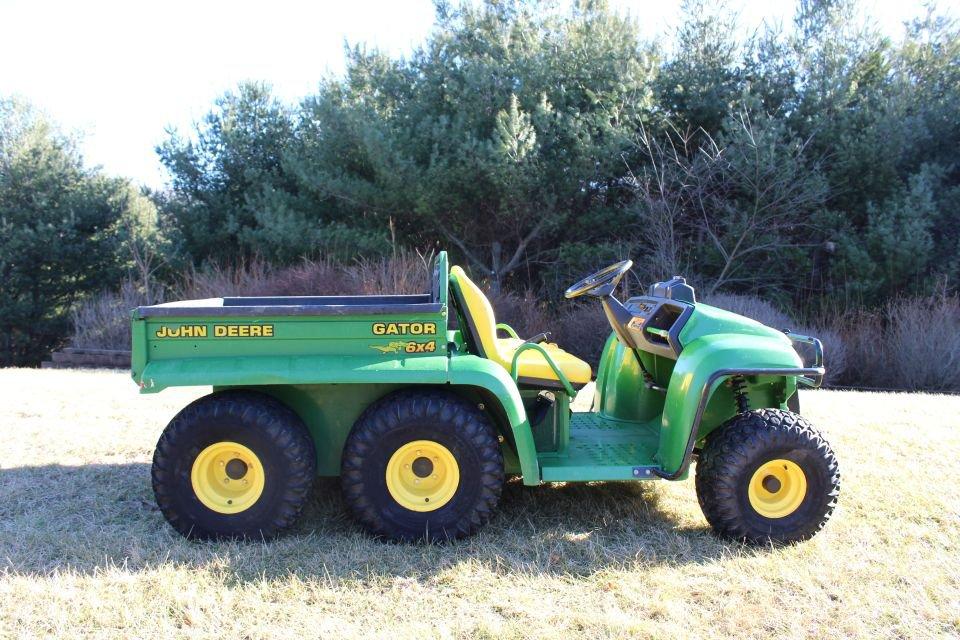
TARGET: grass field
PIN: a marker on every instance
(84, 552)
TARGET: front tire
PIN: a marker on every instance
(422, 465)
(767, 475)
(234, 464)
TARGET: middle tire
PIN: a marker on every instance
(422, 465)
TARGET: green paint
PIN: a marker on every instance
(698, 361)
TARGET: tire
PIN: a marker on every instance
(275, 455)
(767, 476)
(390, 447)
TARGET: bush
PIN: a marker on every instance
(582, 329)
(103, 321)
(524, 311)
(256, 277)
(404, 273)
(912, 344)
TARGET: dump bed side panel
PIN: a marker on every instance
(272, 344)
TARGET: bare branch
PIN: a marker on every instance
(469, 254)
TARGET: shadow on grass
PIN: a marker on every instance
(102, 517)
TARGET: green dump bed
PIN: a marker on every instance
(290, 340)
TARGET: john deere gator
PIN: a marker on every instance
(423, 404)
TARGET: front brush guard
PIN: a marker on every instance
(817, 378)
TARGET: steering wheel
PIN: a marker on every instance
(608, 276)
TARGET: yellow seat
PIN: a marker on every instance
(481, 330)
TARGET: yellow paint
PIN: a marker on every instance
(406, 347)
(243, 331)
(403, 328)
(391, 347)
(219, 331)
(227, 477)
(422, 475)
(777, 488)
(183, 331)
(531, 363)
(420, 347)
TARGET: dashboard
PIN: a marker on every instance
(658, 317)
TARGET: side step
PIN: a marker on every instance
(551, 472)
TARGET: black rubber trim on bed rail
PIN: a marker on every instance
(161, 311)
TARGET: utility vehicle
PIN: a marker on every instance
(422, 421)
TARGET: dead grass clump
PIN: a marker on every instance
(835, 353)
(247, 278)
(103, 321)
(406, 272)
(911, 344)
(582, 329)
(524, 311)
(310, 277)
(924, 343)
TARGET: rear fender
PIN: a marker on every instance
(698, 378)
(495, 384)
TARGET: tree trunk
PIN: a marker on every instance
(495, 273)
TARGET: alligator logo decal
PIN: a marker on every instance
(392, 347)
(412, 346)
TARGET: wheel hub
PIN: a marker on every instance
(422, 467)
(236, 469)
(777, 488)
(771, 484)
(422, 475)
(227, 477)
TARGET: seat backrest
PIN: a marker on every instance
(476, 312)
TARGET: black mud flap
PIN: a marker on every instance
(793, 402)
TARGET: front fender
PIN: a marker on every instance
(701, 368)
(472, 371)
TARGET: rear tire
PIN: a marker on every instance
(422, 465)
(767, 475)
(234, 464)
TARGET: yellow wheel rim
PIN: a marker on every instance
(422, 475)
(777, 488)
(227, 477)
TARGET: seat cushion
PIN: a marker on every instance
(532, 364)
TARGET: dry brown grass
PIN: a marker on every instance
(85, 554)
